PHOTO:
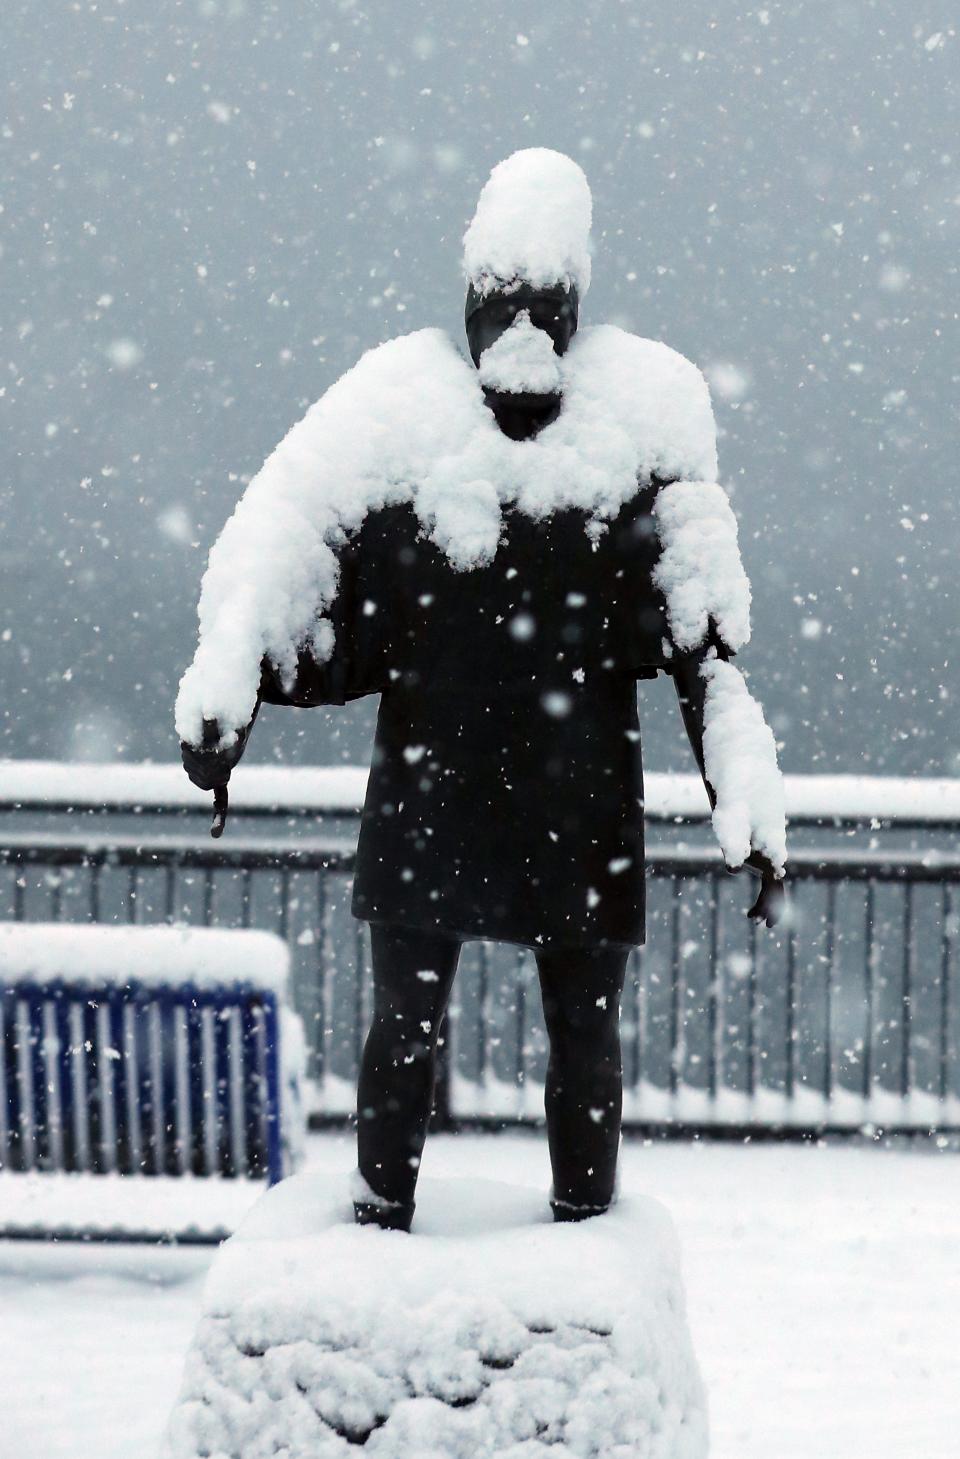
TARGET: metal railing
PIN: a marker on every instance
(846, 1018)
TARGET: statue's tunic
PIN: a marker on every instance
(505, 797)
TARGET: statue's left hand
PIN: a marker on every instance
(771, 899)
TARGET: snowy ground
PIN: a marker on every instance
(824, 1291)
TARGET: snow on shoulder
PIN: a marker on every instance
(532, 224)
(40, 952)
(408, 424)
(487, 1332)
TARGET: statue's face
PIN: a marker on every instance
(553, 310)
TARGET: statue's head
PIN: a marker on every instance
(526, 256)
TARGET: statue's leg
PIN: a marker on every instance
(413, 973)
(581, 989)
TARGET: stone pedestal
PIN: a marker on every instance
(488, 1331)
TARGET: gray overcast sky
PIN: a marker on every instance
(212, 207)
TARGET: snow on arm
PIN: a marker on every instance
(740, 760)
(273, 569)
(700, 572)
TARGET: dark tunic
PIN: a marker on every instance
(505, 797)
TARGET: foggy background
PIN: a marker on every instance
(212, 207)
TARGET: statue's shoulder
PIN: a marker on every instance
(617, 350)
(398, 389)
(404, 357)
(659, 396)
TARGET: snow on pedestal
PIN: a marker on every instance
(488, 1331)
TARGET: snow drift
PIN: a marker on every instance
(487, 1332)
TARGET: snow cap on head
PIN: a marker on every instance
(532, 225)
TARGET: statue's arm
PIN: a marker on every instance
(691, 690)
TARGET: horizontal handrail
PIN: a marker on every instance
(325, 854)
(842, 801)
(188, 851)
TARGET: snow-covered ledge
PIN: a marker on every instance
(339, 789)
(204, 957)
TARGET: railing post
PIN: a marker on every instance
(907, 993)
(272, 1091)
(442, 1119)
(828, 991)
(870, 945)
(65, 1067)
(946, 939)
(790, 1076)
(753, 1031)
(714, 996)
(676, 1012)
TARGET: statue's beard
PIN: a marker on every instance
(530, 400)
(522, 364)
(522, 414)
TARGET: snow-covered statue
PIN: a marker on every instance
(500, 547)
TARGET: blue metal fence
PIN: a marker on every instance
(139, 1079)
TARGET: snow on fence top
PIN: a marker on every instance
(532, 224)
(205, 956)
(341, 788)
(63, 785)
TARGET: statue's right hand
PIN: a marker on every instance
(209, 764)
